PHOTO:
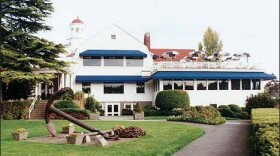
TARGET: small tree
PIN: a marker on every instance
(273, 88)
(170, 99)
(79, 96)
(92, 104)
(138, 108)
(211, 42)
(200, 46)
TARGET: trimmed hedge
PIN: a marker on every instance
(65, 104)
(74, 112)
(233, 111)
(223, 107)
(227, 113)
(152, 111)
(265, 131)
(235, 108)
(205, 115)
(15, 109)
(170, 99)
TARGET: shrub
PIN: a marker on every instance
(152, 111)
(101, 112)
(223, 107)
(260, 100)
(265, 131)
(92, 104)
(65, 104)
(227, 113)
(69, 95)
(205, 115)
(127, 112)
(15, 109)
(138, 108)
(235, 108)
(233, 111)
(245, 115)
(214, 105)
(170, 99)
(74, 112)
(79, 95)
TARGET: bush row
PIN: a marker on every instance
(205, 115)
(265, 131)
(233, 111)
(14, 109)
(152, 111)
(74, 112)
(65, 104)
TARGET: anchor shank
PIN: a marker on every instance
(72, 119)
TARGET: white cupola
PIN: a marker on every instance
(77, 35)
(77, 29)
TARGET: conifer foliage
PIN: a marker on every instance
(21, 51)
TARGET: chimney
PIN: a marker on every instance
(147, 40)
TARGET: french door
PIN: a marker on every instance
(112, 109)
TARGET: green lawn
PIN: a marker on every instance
(156, 117)
(162, 138)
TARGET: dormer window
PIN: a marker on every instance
(113, 37)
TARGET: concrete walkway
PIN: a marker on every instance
(229, 139)
(116, 118)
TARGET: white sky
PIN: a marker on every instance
(243, 25)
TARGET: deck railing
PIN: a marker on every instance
(205, 65)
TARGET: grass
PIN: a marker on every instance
(156, 117)
(162, 138)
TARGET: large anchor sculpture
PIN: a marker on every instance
(51, 109)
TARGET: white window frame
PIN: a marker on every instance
(132, 104)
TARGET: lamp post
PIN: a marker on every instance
(1, 86)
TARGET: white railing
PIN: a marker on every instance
(31, 108)
(205, 65)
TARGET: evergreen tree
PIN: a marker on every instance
(21, 51)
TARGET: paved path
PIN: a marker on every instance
(229, 139)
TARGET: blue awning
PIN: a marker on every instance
(110, 79)
(211, 75)
(123, 53)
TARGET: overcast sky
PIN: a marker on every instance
(243, 25)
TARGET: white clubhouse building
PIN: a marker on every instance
(119, 70)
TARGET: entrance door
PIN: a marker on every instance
(112, 109)
(46, 90)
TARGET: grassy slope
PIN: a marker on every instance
(162, 139)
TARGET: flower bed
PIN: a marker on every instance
(265, 131)
(205, 115)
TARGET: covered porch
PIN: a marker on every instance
(46, 89)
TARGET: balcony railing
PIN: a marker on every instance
(206, 65)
